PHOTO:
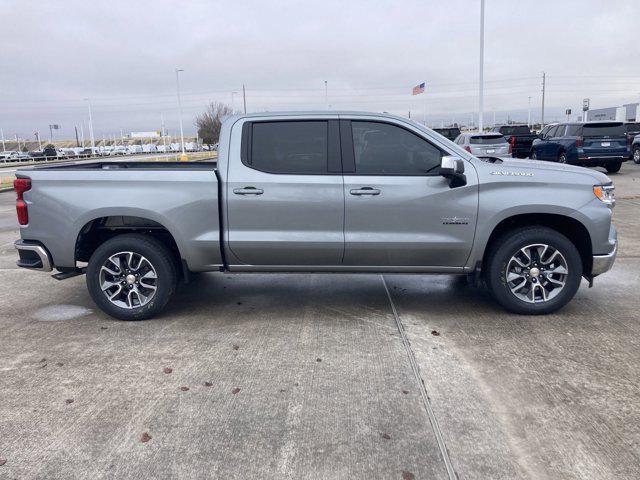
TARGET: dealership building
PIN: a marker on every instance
(626, 113)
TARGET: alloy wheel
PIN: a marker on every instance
(537, 273)
(128, 280)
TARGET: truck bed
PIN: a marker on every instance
(67, 200)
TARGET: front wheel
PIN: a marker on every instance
(636, 155)
(534, 155)
(533, 271)
(131, 276)
(613, 167)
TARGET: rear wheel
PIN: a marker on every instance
(562, 158)
(636, 155)
(131, 277)
(613, 167)
(533, 270)
(533, 155)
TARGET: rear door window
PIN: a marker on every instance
(551, 132)
(289, 147)
(603, 130)
(385, 149)
(487, 139)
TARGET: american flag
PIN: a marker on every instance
(418, 89)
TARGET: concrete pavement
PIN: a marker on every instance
(307, 376)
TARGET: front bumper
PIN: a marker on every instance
(33, 256)
(603, 263)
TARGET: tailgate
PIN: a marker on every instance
(605, 146)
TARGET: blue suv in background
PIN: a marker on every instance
(591, 144)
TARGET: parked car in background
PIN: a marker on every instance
(519, 137)
(449, 132)
(164, 148)
(484, 144)
(632, 129)
(14, 156)
(134, 149)
(50, 151)
(149, 148)
(591, 144)
(635, 150)
(119, 150)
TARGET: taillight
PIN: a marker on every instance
(579, 142)
(468, 148)
(629, 139)
(512, 140)
(21, 185)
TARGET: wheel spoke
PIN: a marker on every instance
(519, 287)
(106, 285)
(511, 276)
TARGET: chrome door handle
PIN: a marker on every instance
(248, 191)
(365, 191)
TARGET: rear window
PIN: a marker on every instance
(632, 127)
(515, 130)
(487, 140)
(603, 130)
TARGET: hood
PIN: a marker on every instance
(541, 166)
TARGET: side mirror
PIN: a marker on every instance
(452, 168)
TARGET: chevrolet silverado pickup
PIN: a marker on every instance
(318, 192)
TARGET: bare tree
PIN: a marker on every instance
(210, 121)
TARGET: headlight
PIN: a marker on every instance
(605, 193)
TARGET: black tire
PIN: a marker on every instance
(562, 158)
(613, 167)
(507, 246)
(636, 155)
(533, 155)
(157, 254)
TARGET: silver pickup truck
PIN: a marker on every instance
(319, 192)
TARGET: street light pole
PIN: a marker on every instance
(481, 83)
(326, 95)
(2, 134)
(529, 115)
(93, 140)
(178, 70)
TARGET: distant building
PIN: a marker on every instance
(626, 113)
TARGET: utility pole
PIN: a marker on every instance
(183, 157)
(233, 103)
(93, 140)
(2, 134)
(81, 133)
(481, 85)
(544, 85)
(77, 141)
(164, 131)
(37, 133)
(529, 115)
(326, 95)
(244, 98)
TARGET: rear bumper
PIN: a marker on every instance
(595, 161)
(33, 256)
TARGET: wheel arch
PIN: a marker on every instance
(100, 229)
(571, 228)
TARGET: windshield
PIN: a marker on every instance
(487, 140)
(603, 130)
(515, 130)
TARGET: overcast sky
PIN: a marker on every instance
(122, 55)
